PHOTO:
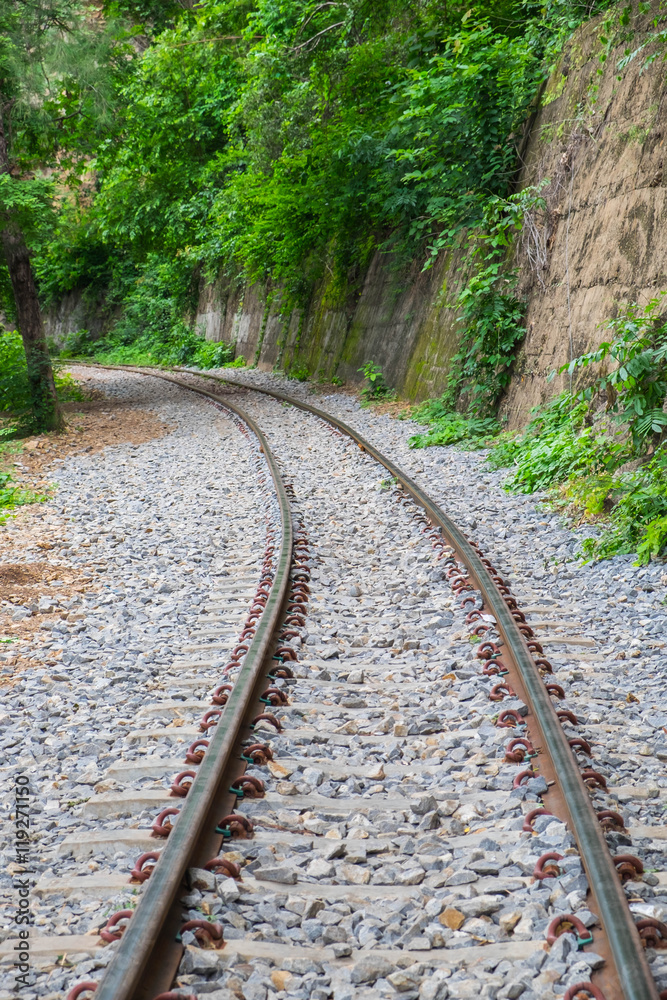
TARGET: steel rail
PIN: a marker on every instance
(123, 976)
(631, 967)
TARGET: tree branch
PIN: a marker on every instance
(219, 38)
(321, 6)
(339, 24)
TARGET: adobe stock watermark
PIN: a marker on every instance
(22, 883)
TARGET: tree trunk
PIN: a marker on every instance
(47, 415)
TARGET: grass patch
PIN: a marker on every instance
(11, 497)
(445, 427)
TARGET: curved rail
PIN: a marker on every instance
(632, 972)
(124, 974)
(631, 966)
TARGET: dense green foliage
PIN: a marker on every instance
(557, 444)
(582, 440)
(60, 73)
(14, 389)
(181, 346)
(375, 387)
(309, 140)
(446, 427)
(633, 505)
(599, 452)
(286, 142)
(635, 388)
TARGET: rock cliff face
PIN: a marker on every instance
(77, 311)
(597, 144)
(599, 140)
(398, 319)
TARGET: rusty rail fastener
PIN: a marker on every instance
(611, 820)
(518, 749)
(509, 718)
(652, 932)
(179, 786)
(195, 752)
(162, 826)
(583, 991)
(628, 867)
(223, 866)
(235, 826)
(111, 931)
(593, 779)
(88, 987)
(568, 923)
(172, 995)
(531, 817)
(546, 866)
(501, 690)
(258, 754)
(143, 869)
(206, 933)
(267, 717)
(221, 694)
(247, 787)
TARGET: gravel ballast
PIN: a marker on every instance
(389, 857)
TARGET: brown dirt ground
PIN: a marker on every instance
(92, 425)
(394, 407)
(31, 566)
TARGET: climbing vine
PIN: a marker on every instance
(490, 313)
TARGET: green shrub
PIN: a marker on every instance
(14, 387)
(490, 314)
(653, 541)
(151, 329)
(580, 440)
(213, 355)
(77, 344)
(375, 389)
(633, 391)
(300, 372)
(559, 442)
(452, 428)
(636, 504)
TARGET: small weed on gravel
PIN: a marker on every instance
(375, 385)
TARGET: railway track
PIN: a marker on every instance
(401, 824)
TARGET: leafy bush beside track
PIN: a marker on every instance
(601, 451)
